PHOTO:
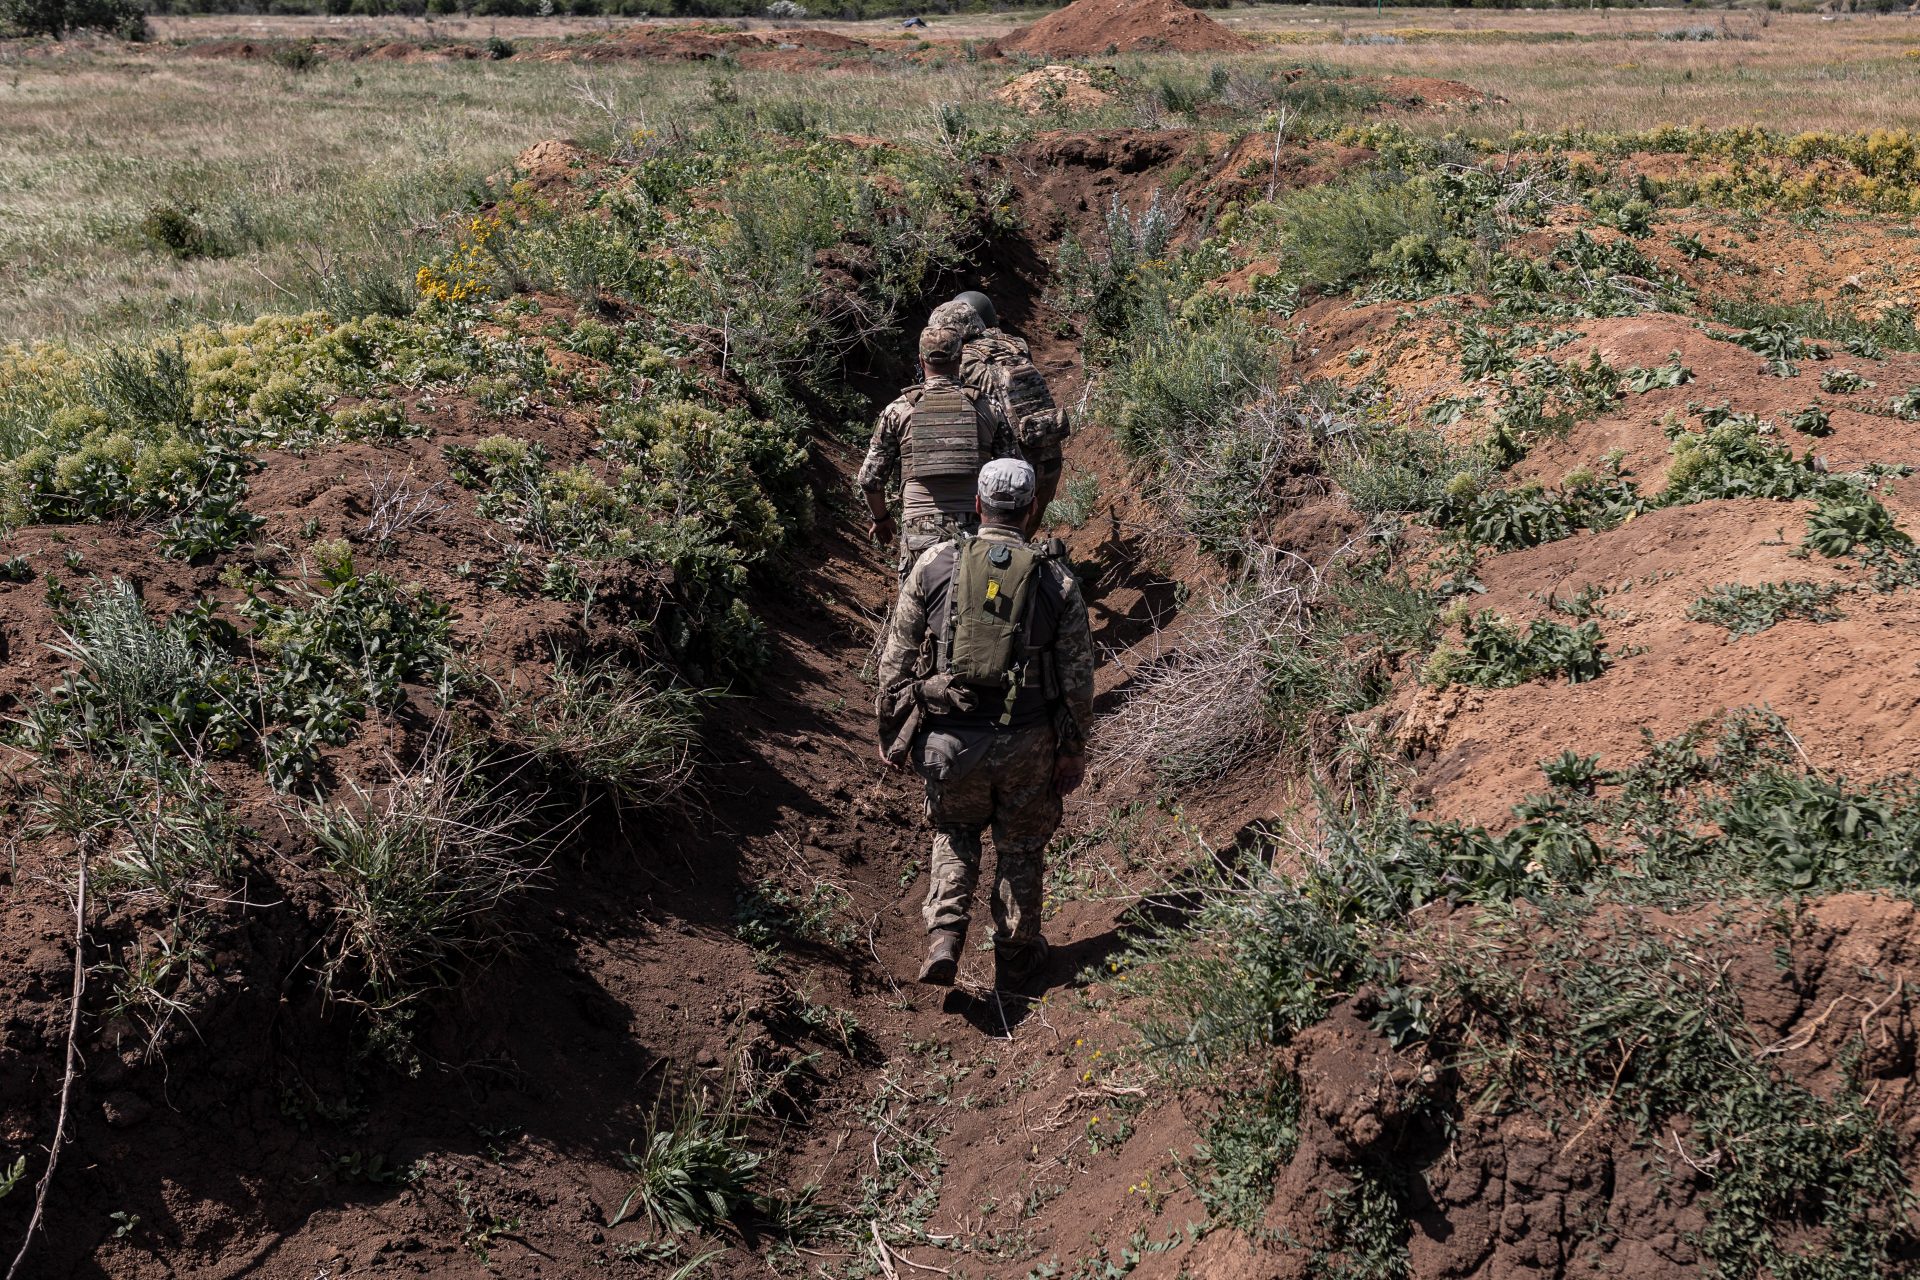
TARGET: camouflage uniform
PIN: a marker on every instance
(984, 348)
(992, 347)
(1011, 787)
(928, 519)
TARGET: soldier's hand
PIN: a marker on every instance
(881, 530)
(898, 766)
(1068, 773)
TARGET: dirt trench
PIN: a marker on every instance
(256, 1147)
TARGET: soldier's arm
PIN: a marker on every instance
(883, 450)
(1073, 665)
(881, 464)
(906, 628)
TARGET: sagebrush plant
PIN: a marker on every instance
(422, 869)
(129, 665)
(694, 1172)
(629, 731)
(1079, 496)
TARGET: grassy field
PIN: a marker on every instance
(272, 187)
(337, 176)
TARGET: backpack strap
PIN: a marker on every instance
(943, 660)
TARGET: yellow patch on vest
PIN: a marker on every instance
(993, 588)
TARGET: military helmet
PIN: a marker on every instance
(982, 306)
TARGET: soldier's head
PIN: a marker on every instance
(940, 350)
(1004, 494)
(982, 306)
(957, 315)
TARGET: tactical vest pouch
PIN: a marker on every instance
(944, 436)
(1047, 427)
(1036, 419)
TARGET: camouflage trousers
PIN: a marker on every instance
(1011, 790)
(919, 533)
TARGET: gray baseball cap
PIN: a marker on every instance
(1007, 486)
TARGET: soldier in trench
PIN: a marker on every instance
(934, 437)
(986, 690)
(1000, 365)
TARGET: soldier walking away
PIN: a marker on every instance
(998, 363)
(986, 690)
(935, 436)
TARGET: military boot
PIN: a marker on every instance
(943, 956)
(1015, 962)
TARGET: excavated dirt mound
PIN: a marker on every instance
(1526, 1192)
(783, 50)
(1845, 685)
(1089, 28)
(1053, 88)
(1424, 91)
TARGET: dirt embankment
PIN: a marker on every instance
(253, 1137)
(1091, 28)
(1847, 683)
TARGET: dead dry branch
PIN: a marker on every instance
(399, 504)
(1200, 710)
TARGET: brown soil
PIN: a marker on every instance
(245, 1139)
(1052, 88)
(1425, 91)
(1091, 28)
(1552, 1193)
(804, 49)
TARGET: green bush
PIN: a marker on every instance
(629, 732)
(1177, 383)
(129, 667)
(1121, 286)
(1340, 234)
(176, 232)
(1846, 522)
(1747, 611)
(421, 870)
(695, 1171)
(1496, 655)
(297, 56)
(124, 18)
(333, 658)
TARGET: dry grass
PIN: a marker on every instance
(1200, 710)
(339, 171)
(348, 169)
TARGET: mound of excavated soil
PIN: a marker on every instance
(1424, 91)
(1052, 88)
(1088, 28)
(784, 50)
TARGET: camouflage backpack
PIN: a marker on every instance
(943, 440)
(1002, 367)
(983, 642)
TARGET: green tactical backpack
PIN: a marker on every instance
(984, 641)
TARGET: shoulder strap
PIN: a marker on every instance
(943, 660)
